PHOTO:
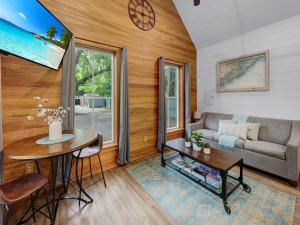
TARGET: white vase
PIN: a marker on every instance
(206, 151)
(196, 147)
(188, 144)
(55, 130)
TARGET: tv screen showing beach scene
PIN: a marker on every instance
(30, 31)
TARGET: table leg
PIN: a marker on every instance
(22, 220)
(81, 168)
(69, 171)
(79, 182)
(163, 163)
(80, 188)
(241, 178)
(45, 192)
(48, 206)
(52, 204)
(224, 194)
(246, 187)
(63, 173)
(32, 207)
(55, 202)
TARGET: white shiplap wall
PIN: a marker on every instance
(283, 100)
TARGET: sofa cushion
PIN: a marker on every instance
(208, 134)
(212, 120)
(273, 130)
(266, 148)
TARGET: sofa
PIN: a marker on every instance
(277, 150)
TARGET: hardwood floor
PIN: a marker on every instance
(124, 202)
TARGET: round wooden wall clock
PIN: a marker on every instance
(141, 14)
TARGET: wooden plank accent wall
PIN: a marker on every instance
(108, 22)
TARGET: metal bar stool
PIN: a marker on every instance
(20, 189)
(87, 153)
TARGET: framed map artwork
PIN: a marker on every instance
(245, 73)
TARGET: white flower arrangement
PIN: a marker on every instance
(48, 114)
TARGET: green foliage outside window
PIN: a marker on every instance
(171, 81)
(93, 73)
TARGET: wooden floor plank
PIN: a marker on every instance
(124, 202)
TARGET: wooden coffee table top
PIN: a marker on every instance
(218, 159)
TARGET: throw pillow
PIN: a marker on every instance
(222, 123)
(237, 130)
(253, 131)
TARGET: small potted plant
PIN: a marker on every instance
(197, 141)
(188, 142)
(206, 148)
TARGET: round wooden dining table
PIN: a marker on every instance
(58, 154)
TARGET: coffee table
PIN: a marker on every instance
(218, 159)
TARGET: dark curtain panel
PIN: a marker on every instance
(161, 132)
(187, 92)
(68, 85)
(68, 95)
(124, 133)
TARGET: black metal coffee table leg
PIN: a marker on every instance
(224, 194)
(246, 187)
(163, 163)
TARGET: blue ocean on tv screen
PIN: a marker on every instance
(28, 30)
(19, 42)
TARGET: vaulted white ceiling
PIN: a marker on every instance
(217, 20)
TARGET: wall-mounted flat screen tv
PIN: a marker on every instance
(30, 31)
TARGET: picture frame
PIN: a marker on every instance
(243, 74)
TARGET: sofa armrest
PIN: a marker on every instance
(195, 126)
(293, 152)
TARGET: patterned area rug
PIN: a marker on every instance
(190, 204)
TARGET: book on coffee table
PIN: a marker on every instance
(200, 171)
